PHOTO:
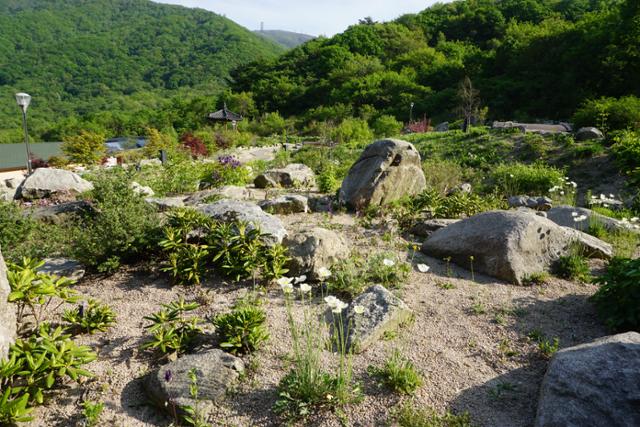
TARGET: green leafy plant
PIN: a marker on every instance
(91, 412)
(273, 261)
(398, 374)
(186, 262)
(172, 331)
(549, 348)
(90, 317)
(387, 270)
(573, 266)
(408, 415)
(243, 330)
(539, 279)
(14, 408)
(194, 416)
(618, 299)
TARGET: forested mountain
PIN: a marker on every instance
(113, 58)
(530, 59)
(286, 39)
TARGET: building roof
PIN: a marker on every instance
(14, 156)
(225, 115)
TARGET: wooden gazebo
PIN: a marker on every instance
(225, 116)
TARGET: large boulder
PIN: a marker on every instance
(386, 171)
(592, 385)
(235, 210)
(582, 218)
(63, 267)
(44, 182)
(164, 204)
(9, 188)
(382, 312)
(216, 371)
(292, 175)
(509, 245)
(56, 214)
(314, 249)
(142, 190)
(7, 313)
(589, 133)
(426, 227)
(284, 205)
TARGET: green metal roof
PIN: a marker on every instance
(14, 156)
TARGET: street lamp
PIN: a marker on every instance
(23, 100)
(411, 113)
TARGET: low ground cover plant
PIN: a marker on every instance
(90, 317)
(409, 415)
(172, 329)
(618, 299)
(573, 266)
(351, 276)
(398, 374)
(243, 330)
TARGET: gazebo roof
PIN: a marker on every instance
(225, 115)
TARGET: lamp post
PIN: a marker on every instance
(23, 100)
(411, 113)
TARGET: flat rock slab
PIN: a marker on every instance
(216, 372)
(56, 214)
(592, 385)
(510, 245)
(567, 215)
(63, 267)
(383, 312)
(232, 192)
(7, 313)
(44, 182)
(292, 175)
(426, 227)
(164, 204)
(387, 170)
(235, 210)
(284, 205)
(311, 250)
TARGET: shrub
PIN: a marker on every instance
(185, 261)
(270, 124)
(243, 330)
(386, 126)
(626, 149)
(172, 331)
(609, 114)
(157, 141)
(618, 299)
(91, 317)
(124, 228)
(398, 374)
(194, 145)
(443, 175)
(227, 171)
(518, 178)
(353, 132)
(227, 138)
(87, 148)
(573, 266)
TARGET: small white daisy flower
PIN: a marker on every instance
(423, 268)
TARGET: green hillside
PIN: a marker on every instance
(286, 39)
(530, 59)
(113, 57)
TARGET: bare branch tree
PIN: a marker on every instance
(469, 102)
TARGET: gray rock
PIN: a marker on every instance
(7, 313)
(232, 192)
(292, 175)
(235, 210)
(320, 203)
(9, 188)
(588, 133)
(166, 203)
(386, 171)
(313, 249)
(383, 312)
(592, 385)
(541, 128)
(509, 245)
(464, 188)
(567, 215)
(284, 205)
(150, 162)
(216, 372)
(442, 127)
(63, 267)
(537, 203)
(56, 214)
(426, 227)
(142, 190)
(44, 182)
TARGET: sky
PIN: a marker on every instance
(315, 17)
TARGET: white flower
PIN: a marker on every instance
(331, 301)
(602, 197)
(552, 189)
(284, 281)
(580, 218)
(337, 309)
(562, 193)
(324, 273)
(304, 288)
(423, 268)
(287, 288)
(388, 262)
(593, 197)
(574, 214)
(510, 175)
(611, 196)
(300, 279)
(634, 219)
(358, 309)
(605, 205)
(574, 184)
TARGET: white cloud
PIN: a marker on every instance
(306, 16)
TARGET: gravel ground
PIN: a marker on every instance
(479, 360)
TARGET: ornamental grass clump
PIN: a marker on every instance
(308, 387)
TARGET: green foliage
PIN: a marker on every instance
(124, 227)
(626, 149)
(86, 148)
(91, 412)
(36, 364)
(270, 124)
(157, 141)
(518, 178)
(92, 317)
(194, 416)
(573, 266)
(618, 299)
(173, 331)
(351, 276)
(549, 348)
(32, 291)
(386, 126)
(327, 180)
(354, 132)
(398, 374)
(609, 114)
(243, 330)
(410, 416)
(185, 261)
(538, 279)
